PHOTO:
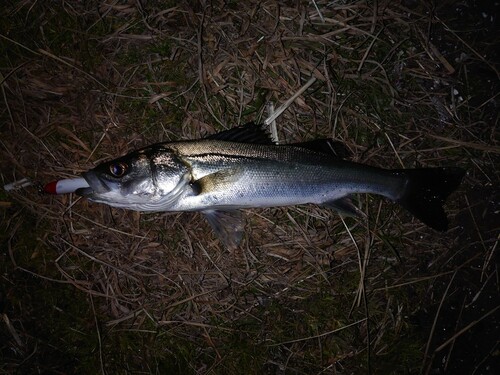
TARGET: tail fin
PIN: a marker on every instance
(426, 191)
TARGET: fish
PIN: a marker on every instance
(243, 167)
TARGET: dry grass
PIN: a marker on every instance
(306, 292)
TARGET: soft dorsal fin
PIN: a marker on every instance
(248, 133)
(325, 146)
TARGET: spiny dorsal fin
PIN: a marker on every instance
(248, 133)
(325, 146)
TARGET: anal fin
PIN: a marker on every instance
(345, 207)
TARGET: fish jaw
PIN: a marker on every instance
(96, 185)
(103, 190)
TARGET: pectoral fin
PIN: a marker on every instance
(345, 207)
(220, 180)
(228, 225)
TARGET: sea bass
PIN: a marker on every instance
(243, 168)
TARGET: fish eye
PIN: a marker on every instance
(118, 169)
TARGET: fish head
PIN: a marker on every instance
(146, 180)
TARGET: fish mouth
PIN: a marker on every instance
(96, 185)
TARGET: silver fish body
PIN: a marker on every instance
(222, 174)
(231, 175)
